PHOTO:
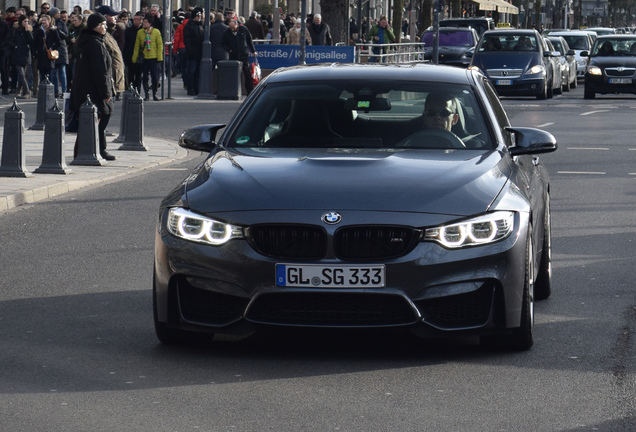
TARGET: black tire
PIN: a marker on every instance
(521, 338)
(544, 93)
(588, 94)
(574, 83)
(565, 88)
(550, 92)
(543, 284)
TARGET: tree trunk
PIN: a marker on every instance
(398, 5)
(426, 15)
(335, 15)
(456, 9)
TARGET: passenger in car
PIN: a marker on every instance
(524, 44)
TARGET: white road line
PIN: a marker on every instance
(593, 112)
(581, 172)
(587, 148)
(545, 125)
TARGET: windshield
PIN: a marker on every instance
(508, 42)
(450, 38)
(353, 114)
(556, 43)
(614, 47)
(578, 42)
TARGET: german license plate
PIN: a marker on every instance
(620, 80)
(504, 82)
(319, 276)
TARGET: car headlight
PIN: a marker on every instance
(594, 70)
(190, 226)
(583, 61)
(536, 69)
(485, 229)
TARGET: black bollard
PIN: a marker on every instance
(12, 164)
(46, 99)
(87, 144)
(135, 124)
(124, 114)
(53, 161)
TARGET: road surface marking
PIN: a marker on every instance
(594, 112)
(581, 172)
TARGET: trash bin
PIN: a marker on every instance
(229, 79)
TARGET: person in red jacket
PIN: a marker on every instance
(180, 51)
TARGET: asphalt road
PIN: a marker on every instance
(78, 350)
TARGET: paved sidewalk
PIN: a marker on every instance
(17, 191)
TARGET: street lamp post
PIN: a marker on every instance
(206, 69)
(303, 26)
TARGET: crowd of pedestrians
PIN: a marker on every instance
(45, 43)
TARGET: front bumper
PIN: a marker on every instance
(432, 290)
(519, 86)
(601, 84)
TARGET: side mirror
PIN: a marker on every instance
(200, 138)
(571, 52)
(531, 141)
(585, 53)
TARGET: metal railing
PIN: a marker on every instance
(392, 53)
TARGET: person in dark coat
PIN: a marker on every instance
(22, 39)
(319, 31)
(59, 74)
(237, 41)
(46, 32)
(77, 24)
(217, 30)
(255, 27)
(134, 69)
(5, 55)
(93, 77)
(193, 40)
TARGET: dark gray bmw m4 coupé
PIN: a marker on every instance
(360, 196)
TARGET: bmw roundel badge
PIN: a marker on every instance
(331, 218)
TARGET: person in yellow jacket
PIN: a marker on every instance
(149, 50)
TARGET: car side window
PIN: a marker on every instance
(500, 114)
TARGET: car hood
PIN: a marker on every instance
(514, 60)
(449, 52)
(613, 61)
(461, 182)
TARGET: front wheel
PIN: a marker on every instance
(574, 83)
(544, 92)
(543, 284)
(521, 338)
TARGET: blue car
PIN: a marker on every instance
(518, 63)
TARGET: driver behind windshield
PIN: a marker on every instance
(440, 111)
